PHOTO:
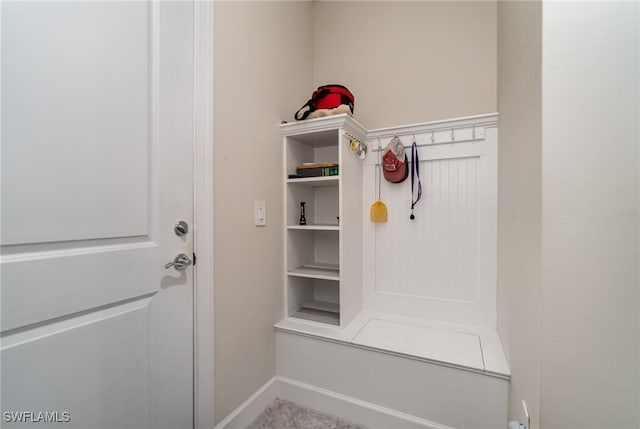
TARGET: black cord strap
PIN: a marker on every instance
(416, 191)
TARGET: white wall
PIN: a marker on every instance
(591, 137)
(408, 62)
(569, 211)
(262, 74)
(520, 199)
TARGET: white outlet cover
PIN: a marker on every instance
(525, 415)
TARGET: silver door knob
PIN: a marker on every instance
(180, 262)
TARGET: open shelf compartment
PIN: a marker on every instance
(313, 253)
(314, 299)
(311, 148)
(321, 202)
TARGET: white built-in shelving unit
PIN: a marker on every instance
(323, 258)
(412, 301)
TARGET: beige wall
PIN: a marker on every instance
(568, 189)
(408, 62)
(591, 142)
(262, 74)
(520, 199)
(405, 62)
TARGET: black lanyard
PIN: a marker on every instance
(415, 174)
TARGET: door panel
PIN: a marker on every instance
(76, 94)
(44, 285)
(97, 167)
(87, 380)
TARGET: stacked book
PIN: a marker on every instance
(317, 169)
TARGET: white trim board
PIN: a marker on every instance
(325, 401)
(434, 128)
(203, 400)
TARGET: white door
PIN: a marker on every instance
(96, 158)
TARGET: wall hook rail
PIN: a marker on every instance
(459, 131)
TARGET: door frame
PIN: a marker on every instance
(203, 305)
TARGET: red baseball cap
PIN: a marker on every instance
(394, 161)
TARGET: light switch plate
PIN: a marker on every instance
(260, 213)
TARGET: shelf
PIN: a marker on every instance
(330, 307)
(324, 272)
(316, 181)
(319, 311)
(314, 291)
(318, 227)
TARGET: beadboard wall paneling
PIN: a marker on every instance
(442, 264)
(435, 254)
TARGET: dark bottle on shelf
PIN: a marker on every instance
(303, 219)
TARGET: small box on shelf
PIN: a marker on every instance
(317, 170)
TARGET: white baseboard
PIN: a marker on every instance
(247, 412)
(348, 408)
(344, 407)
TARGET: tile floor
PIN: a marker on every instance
(281, 414)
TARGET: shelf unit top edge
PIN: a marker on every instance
(324, 123)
